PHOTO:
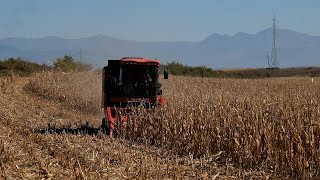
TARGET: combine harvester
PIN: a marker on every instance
(128, 83)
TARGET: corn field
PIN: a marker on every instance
(254, 124)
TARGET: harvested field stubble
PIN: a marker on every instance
(262, 124)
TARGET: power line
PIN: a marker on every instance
(268, 58)
(81, 55)
(274, 53)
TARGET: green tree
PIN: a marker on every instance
(20, 66)
(179, 69)
(68, 63)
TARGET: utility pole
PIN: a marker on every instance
(274, 53)
(268, 58)
(80, 55)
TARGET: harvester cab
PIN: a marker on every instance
(127, 83)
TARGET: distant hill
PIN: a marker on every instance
(241, 50)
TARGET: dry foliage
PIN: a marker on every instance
(42, 139)
(78, 90)
(72, 149)
(262, 125)
(270, 124)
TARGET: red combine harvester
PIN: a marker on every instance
(127, 83)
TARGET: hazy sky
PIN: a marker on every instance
(153, 20)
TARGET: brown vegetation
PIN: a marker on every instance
(222, 128)
(269, 72)
(40, 138)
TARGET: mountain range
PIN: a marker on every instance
(241, 50)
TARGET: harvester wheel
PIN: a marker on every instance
(105, 126)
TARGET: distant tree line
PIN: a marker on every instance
(20, 66)
(67, 63)
(179, 69)
(25, 67)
